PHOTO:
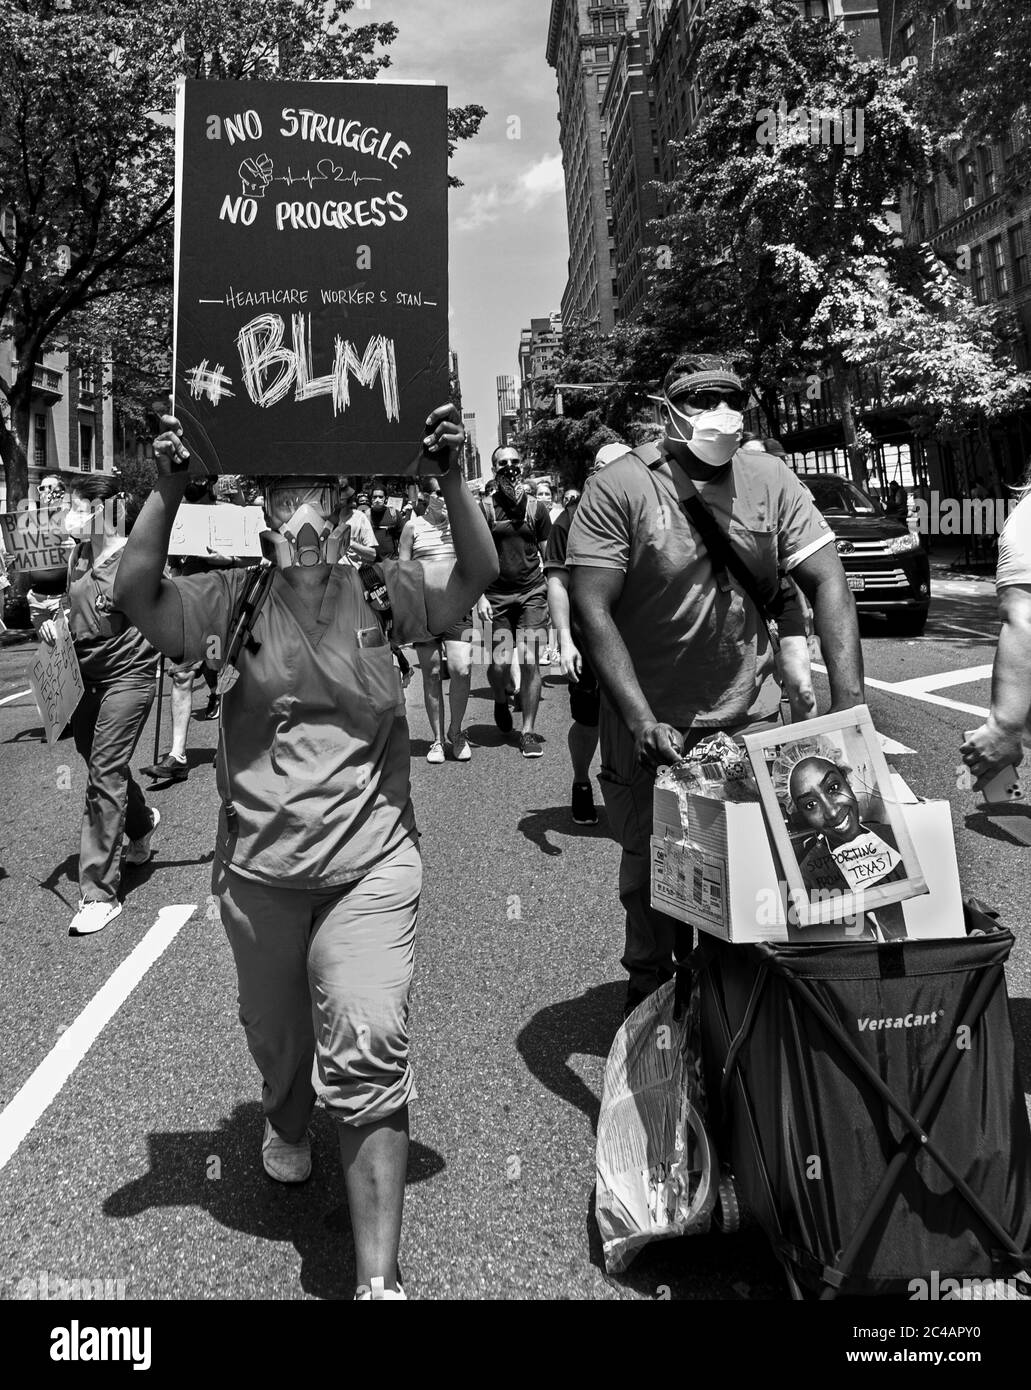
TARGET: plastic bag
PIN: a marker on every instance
(657, 1173)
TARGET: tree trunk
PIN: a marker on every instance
(843, 399)
(14, 438)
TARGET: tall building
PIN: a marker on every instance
(628, 116)
(508, 409)
(540, 346)
(471, 463)
(581, 41)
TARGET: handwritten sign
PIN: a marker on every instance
(223, 528)
(56, 681)
(33, 541)
(311, 273)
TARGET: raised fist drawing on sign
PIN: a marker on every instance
(256, 175)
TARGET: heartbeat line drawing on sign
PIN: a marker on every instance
(211, 382)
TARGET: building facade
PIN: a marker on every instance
(508, 409)
(982, 232)
(629, 119)
(540, 347)
(472, 466)
(582, 37)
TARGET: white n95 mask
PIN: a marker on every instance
(714, 435)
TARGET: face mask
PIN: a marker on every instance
(512, 487)
(308, 538)
(79, 524)
(714, 435)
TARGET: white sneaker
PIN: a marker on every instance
(140, 850)
(436, 753)
(460, 748)
(285, 1162)
(93, 917)
(365, 1293)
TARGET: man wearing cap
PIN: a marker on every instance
(517, 601)
(584, 692)
(680, 649)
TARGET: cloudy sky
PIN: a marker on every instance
(509, 243)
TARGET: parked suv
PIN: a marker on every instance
(885, 564)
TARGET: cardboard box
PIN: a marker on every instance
(716, 870)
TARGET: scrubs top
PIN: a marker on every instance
(107, 645)
(313, 748)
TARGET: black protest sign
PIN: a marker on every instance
(311, 326)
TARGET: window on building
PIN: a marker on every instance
(39, 440)
(86, 448)
(1000, 271)
(968, 178)
(608, 24)
(978, 280)
(986, 163)
(601, 55)
(1018, 255)
(907, 39)
(601, 80)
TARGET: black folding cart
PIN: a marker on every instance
(866, 1101)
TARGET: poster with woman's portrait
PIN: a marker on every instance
(835, 824)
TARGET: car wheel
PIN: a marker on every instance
(907, 624)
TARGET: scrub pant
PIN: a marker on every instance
(654, 941)
(324, 976)
(106, 726)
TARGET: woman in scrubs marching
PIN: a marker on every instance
(317, 866)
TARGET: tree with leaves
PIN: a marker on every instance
(782, 248)
(977, 85)
(86, 164)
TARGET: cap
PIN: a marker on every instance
(608, 453)
(774, 446)
(696, 373)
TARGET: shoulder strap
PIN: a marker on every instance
(245, 612)
(717, 542)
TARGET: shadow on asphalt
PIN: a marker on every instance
(1020, 1015)
(1011, 826)
(220, 1170)
(584, 1026)
(535, 825)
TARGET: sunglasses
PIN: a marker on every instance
(711, 398)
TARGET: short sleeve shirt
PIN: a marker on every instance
(701, 652)
(313, 750)
(520, 543)
(107, 645)
(558, 541)
(361, 534)
(1014, 562)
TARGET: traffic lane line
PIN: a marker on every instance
(942, 680)
(17, 696)
(43, 1086)
(921, 695)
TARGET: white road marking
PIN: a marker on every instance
(8, 698)
(43, 1086)
(942, 680)
(890, 745)
(917, 694)
(971, 631)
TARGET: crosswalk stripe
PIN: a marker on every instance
(43, 1086)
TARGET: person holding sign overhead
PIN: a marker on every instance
(118, 667)
(317, 867)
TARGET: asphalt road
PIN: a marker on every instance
(135, 1152)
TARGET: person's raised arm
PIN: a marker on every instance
(822, 580)
(595, 593)
(141, 591)
(476, 564)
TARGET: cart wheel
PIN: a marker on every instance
(727, 1216)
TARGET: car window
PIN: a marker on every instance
(840, 497)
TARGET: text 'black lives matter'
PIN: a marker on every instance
(311, 328)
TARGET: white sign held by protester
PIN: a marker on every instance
(56, 681)
(223, 529)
